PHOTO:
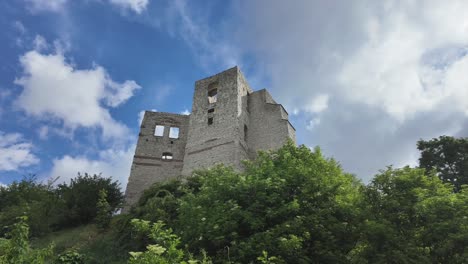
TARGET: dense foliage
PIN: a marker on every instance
(412, 218)
(448, 156)
(165, 251)
(289, 206)
(51, 207)
(81, 196)
(15, 247)
(300, 207)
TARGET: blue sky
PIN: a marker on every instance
(362, 80)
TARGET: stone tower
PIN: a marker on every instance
(228, 123)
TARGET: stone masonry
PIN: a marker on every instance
(228, 123)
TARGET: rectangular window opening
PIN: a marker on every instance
(174, 132)
(167, 156)
(210, 121)
(159, 131)
(211, 110)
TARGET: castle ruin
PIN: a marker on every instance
(229, 123)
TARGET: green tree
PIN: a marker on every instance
(293, 203)
(412, 217)
(82, 194)
(40, 202)
(15, 248)
(104, 211)
(448, 156)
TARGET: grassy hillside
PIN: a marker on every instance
(98, 246)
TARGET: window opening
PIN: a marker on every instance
(167, 156)
(174, 132)
(212, 96)
(210, 121)
(159, 131)
(211, 110)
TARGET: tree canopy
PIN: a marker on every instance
(448, 156)
(292, 205)
(300, 207)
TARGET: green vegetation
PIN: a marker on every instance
(289, 206)
(104, 211)
(448, 156)
(16, 249)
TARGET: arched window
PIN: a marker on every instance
(212, 93)
(167, 156)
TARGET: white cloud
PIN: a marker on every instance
(119, 93)
(141, 115)
(185, 112)
(114, 163)
(45, 5)
(318, 104)
(53, 88)
(396, 70)
(137, 6)
(15, 152)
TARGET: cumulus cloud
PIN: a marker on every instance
(368, 78)
(110, 163)
(45, 5)
(54, 88)
(137, 6)
(15, 152)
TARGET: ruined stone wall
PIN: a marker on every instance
(210, 144)
(243, 122)
(270, 127)
(148, 165)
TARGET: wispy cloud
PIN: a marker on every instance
(138, 6)
(46, 5)
(211, 49)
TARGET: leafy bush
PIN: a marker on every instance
(412, 217)
(82, 194)
(15, 248)
(40, 202)
(165, 251)
(71, 257)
